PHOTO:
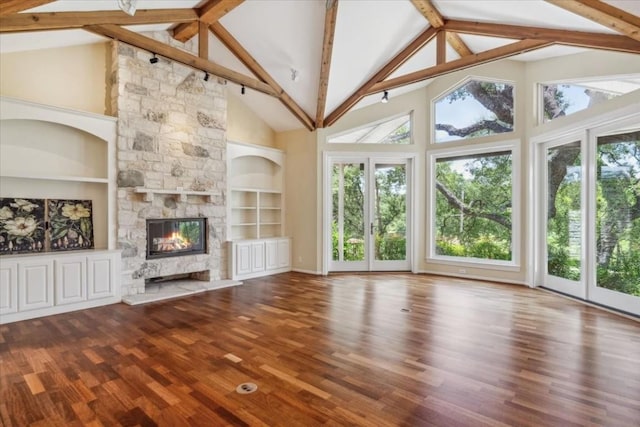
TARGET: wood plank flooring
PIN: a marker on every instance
(348, 349)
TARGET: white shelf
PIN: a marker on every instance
(256, 192)
(253, 190)
(56, 178)
(182, 194)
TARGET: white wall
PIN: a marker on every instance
(72, 77)
(243, 125)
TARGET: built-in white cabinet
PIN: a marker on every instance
(71, 277)
(35, 284)
(284, 253)
(256, 212)
(102, 276)
(260, 257)
(40, 285)
(8, 287)
(71, 155)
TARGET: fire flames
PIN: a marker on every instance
(173, 242)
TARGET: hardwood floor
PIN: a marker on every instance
(352, 349)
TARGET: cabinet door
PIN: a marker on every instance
(101, 276)
(243, 258)
(271, 247)
(257, 257)
(70, 280)
(8, 287)
(35, 284)
(283, 253)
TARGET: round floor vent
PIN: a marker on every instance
(246, 388)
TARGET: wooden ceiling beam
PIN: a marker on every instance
(567, 37)
(325, 66)
(64, 20)
(460, 64)
(203, 40)
(429, 11)
(441, 47)
(211, 12)
(388, 69)
(178, 55)
(250, 62)
(456, 42)
(9, 7)
(604, 14)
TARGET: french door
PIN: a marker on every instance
(368, 214)
(590, 218)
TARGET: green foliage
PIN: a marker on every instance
(445, 247)
(390, 212)
(483, 247)
(470, 227)
(560, 264)
(390, 248)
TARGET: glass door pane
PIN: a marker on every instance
(348, 190)
(617, 222)
(564, 231)
(389, 226)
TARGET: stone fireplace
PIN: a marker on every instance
(171, 161)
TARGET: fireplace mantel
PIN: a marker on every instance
(182, 194)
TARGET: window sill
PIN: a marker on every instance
(475, 263)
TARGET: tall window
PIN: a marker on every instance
(618, 212)
(396, 130)
(473, 205)
(564, 204)
(476, 108)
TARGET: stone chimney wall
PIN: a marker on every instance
(171, 135)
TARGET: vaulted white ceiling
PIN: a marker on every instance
(282, 35)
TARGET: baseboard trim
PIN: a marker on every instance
(302, 270)
(473, 277)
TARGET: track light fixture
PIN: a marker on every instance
(295, 75)
(385, 97)
(206, 76)
(128, 6)
(242, 89)
(153, 59)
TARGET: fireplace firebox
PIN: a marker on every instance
(176, 237)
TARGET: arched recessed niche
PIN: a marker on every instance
(49, 152)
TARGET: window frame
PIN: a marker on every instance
(433, 156)
(574, 82)
(409, 113)
(458, 85)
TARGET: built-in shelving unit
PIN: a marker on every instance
(255, 214)
(256, 211)
(48, 152)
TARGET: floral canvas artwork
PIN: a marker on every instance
(22, 227)
(70, 224)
